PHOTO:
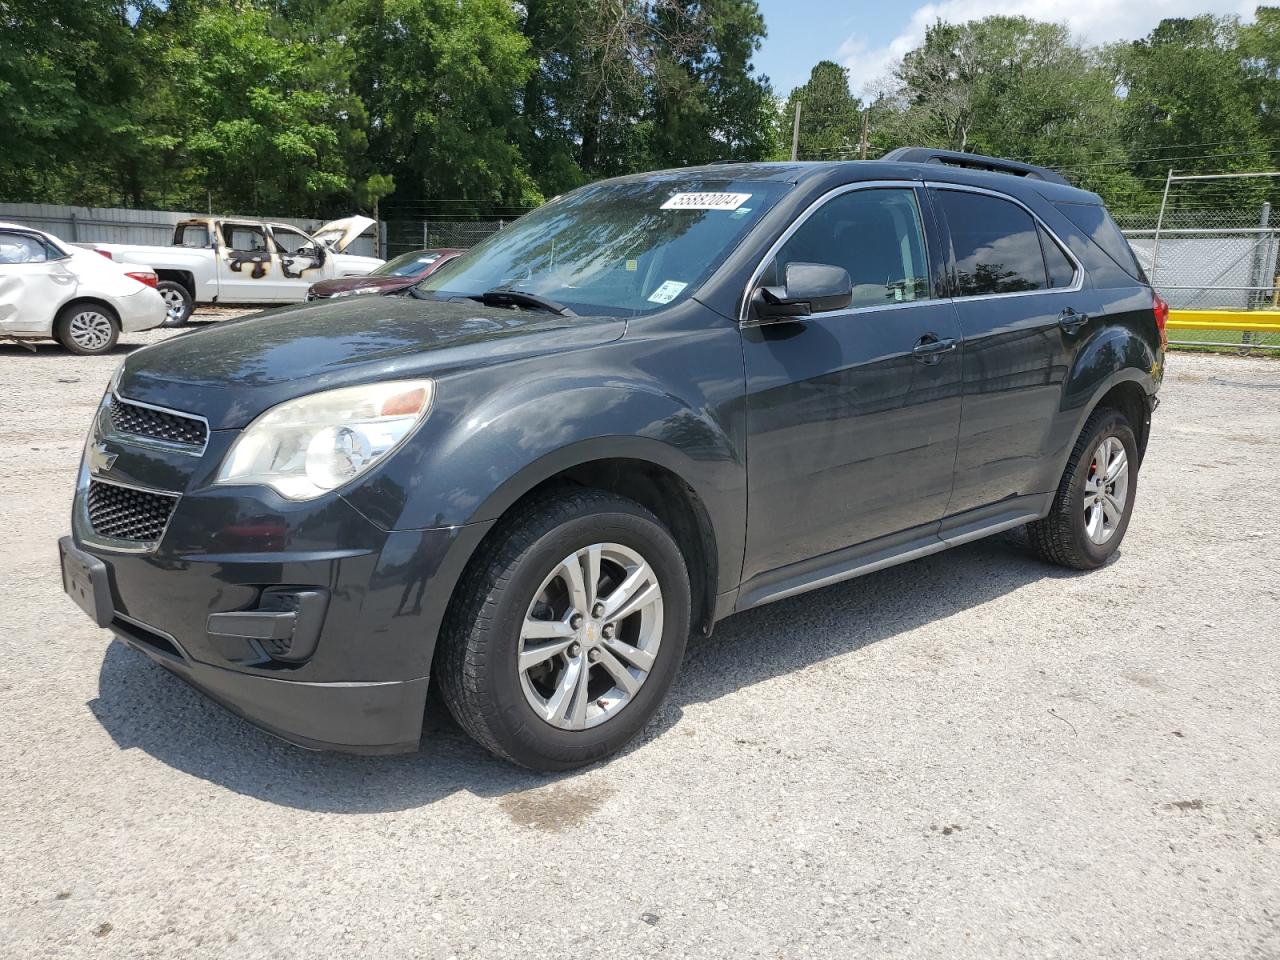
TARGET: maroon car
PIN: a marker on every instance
(394, 275)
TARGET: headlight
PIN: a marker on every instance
(355, 292)
(309, 446)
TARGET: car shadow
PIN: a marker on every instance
(142, 706)
(49, 351)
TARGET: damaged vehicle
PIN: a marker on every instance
(227, 260)
(49, 289)
(394, 276)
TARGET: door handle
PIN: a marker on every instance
(929, 349)
(1071, 321)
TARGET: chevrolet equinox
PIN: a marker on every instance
(649, 404)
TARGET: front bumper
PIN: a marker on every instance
(367, 718)
(349, 672)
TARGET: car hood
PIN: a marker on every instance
(327, 288)
(340, 234)
(234, 370)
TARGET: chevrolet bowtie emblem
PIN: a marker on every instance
(101, 459)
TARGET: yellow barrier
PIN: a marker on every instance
(1259, 321)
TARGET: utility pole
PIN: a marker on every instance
(795, 132)
(862, 144)
(1155, 246)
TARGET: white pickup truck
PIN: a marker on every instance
(229, 261)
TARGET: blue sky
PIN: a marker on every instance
(869, 37)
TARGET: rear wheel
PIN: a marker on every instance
(567, 632)
(1095, 498)
(87, 328)
(178, 303)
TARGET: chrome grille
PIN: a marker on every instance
(124, 513)
(143, 421)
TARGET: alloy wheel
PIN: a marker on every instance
(175, 306)
(590, 636)
(1106, 490)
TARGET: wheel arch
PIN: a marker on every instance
(639, 470)
(86, 301)
(184, 277)
(1127, 390)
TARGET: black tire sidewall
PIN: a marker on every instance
(1112, 426)
(188, 304)
(523, 734)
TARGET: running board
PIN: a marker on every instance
(865, 558)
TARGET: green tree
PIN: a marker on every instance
(1189, 103)
(66, 71)
(708, 103)
(1013, 87)
(440, 82)
(830, 116)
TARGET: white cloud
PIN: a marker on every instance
(1092, 21)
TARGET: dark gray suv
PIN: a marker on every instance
(653, 402)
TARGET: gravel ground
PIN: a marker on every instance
(973, 755)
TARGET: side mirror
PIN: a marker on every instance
(808, 288)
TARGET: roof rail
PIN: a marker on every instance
(974, 161)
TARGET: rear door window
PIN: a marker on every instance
(1062, 272)
(244, 237)
(22, 248)
(996, 244)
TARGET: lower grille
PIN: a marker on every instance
(124, 513)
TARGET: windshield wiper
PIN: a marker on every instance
(507, 297)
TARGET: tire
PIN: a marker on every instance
(1081, 514)
(178, 303)
(87, 329)
(520, 575)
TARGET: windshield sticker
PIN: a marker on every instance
(706, 201)
(667, 292)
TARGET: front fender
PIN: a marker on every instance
(497, 433)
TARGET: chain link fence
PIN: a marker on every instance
(1211, 251)
(1216, 260)
(407, 233)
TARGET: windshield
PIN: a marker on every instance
(407, 264)
(617, 249)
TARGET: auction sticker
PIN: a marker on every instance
(706, 201)
(667, 292)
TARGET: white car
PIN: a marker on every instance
(82, 300)
(225, 260)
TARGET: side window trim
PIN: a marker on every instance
(1077, 282)
(770, 256)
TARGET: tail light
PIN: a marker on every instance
(103, 253)
(150, 279)
(1161, 310)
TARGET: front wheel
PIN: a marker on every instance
(567, 632)
(1095, 497)
(178, 303)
